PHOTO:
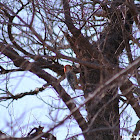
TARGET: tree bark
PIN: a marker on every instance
(106, 126)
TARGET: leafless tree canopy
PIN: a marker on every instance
(99, 38)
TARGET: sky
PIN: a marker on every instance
(32, 111)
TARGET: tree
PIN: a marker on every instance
(39, 34)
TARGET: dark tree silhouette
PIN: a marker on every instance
(40, 34)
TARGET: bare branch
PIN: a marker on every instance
(21, 95)
(26, 65)
(68, 19)
(134, 12)
(136, 131)
(33, 5)
(4, 71)
(127, 91)
(98, 93)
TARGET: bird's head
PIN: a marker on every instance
(67, 68)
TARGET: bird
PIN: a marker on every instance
(71, 77)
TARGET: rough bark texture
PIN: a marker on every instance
(111, 45)
(113, 39)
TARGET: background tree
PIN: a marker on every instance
(42, 36)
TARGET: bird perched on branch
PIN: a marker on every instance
(71, 77)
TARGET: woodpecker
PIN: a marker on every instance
(71, 77)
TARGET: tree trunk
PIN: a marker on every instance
(106, 126)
